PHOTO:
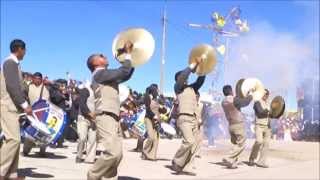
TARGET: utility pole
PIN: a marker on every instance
(163, 49)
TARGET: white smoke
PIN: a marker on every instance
(279, 59)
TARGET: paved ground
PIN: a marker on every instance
(288, 160)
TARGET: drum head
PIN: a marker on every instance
(277, 107)
(52, 117)
(38, 125)
(168, 129)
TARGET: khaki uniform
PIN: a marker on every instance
(87, 139)
(87, 133)
(236, 129)
(199, 111)
(107, 106)
(34, 94)
(151, 144)
(188, 125)
(9, 120)
(263, 136)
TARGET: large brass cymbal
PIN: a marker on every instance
(255, 85)
(143, 45)
(208, 54)
(238, 88)
(277, 107)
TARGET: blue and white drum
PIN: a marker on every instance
(37, 131)
(139, 128)
(48, 123)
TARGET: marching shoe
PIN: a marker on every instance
(78, 160)
(251, 163)
(262, 165)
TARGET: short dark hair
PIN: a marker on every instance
(155, 86)
(37, 74)
(227, 90)
(16, 44)
(90, 59)
(267, 92)
(61, 81)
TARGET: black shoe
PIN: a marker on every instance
(25, 154)
(175, 167)
(232, 166)
(42, 154)
(224, 160)
(79, 160)
(134, 150)
(251, 163)
(60, 146)
(144, 157)
(187, 173)
(262, 165)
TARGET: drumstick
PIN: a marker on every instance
(37, 110)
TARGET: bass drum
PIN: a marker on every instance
(53, 117)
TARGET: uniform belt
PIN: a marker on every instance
(186, 114)
(113, 115)
(236, 122)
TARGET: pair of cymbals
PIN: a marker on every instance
(207, 54)
(143, 45)
(277, 107)
(243, 86)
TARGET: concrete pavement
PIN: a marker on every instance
(288, 160)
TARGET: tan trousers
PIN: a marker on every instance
(87, 138)
(28, 145)
(9, 151)
(199, 140)
(263, 136)
(109, 134)
(238, 139)
(185, 155)
(150, 147)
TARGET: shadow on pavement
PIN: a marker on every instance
(163, 159)
(127, 178)
(47, 156)
(219, 163)
(28, 172)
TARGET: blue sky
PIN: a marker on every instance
(60, 35)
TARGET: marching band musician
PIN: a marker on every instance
(187, 120)
(60, 97)
(105, 83)
(232, 108)
(151, 121)
(13, 102)
(85, 126)
(262, 130)
(199, 112)
(36, 90)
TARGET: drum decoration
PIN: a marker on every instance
(139, 128)
(51, 120)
